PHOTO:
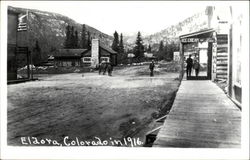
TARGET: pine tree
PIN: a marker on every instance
(89, 41)
(84, 41)
(72, 37)
(67, 40)
(139, 48)
(161, 51)
(149, 50)
(36, 58)
(121, 46)
(115, 44)
(76, 40)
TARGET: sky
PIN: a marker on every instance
(127, 17)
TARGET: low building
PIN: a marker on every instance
(69, 57)
(84, 57)
(98, 53)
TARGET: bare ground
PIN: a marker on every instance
(89, 105)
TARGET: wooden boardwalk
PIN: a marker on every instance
(202, 116)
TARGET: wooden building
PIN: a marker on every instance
(84, 57)
(98, 53)
(69, 57)
(220, 47)
(18, 53)
(12, 45)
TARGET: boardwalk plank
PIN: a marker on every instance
(202, 116)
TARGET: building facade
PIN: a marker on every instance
(220, 47)
(98, 53)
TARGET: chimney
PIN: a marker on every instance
(94, 52)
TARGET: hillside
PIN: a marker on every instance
(192, 24)
(49, 29)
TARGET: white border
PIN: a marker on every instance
(8, 152)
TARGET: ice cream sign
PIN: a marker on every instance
(196, 40)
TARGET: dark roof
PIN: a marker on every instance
(87, 54)
(104, 47)
(205, 31)
(107, 49)
(70, 53)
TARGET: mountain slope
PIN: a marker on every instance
(194, 23)
(49, 30)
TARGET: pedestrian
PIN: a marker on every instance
(110, 69)
(196, 67)
(105, 65)
(101, 67)
(189, 62)
(151, 67)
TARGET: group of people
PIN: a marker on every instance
(105, 67)
(192, 63)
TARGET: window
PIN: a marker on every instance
(86, 60)
(106, 59)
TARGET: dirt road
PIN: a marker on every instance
(88, 107)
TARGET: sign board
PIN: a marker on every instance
(176, 56)
(196, 40)
(95, 52)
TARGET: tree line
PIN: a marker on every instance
(72, 38)
(164, 52)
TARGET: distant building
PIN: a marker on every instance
(98, 53)
(69, 57)
(85, 57)
(149, 56)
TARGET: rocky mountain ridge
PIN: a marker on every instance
(194, 23)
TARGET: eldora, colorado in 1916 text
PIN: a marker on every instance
(67, 141)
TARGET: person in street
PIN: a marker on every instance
(109, 68)
(151, 67)
(101, 67)
(105, 65)
(189, 62)
(196, 67)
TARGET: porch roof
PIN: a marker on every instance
(197, 34)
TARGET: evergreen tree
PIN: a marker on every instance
(84, 41)
(36, 58)
(121, 46)
(115, 45)
(149, 50)
(121, 57)
(72, 37)
(89, 41)
(67, 40)
(76, 40)
(161, 51)
(139, 48)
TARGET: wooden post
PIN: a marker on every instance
(28, 64)
(209, 60)
(230, 62)
(181, 61)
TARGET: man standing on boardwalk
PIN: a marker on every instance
(189, 62)
(151, 67)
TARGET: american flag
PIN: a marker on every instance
(22, 22)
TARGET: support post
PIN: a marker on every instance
(181, 61)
